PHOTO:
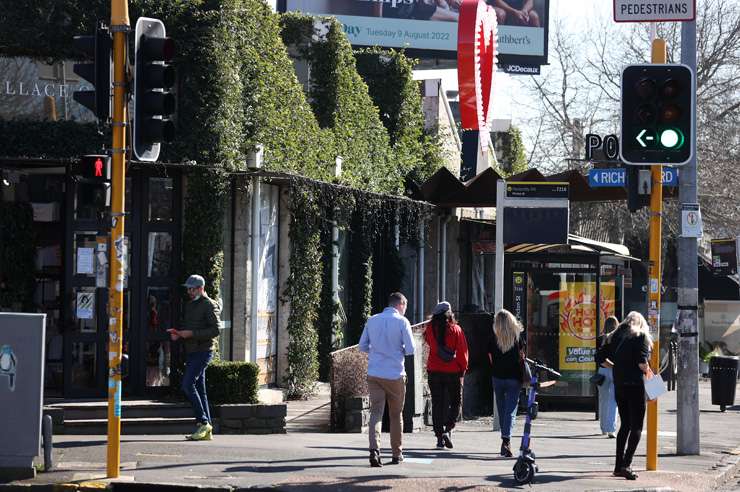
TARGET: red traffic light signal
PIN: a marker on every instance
(96, 167)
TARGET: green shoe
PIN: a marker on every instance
(204, 432)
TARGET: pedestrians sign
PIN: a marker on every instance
(614, 177)
(654, 10)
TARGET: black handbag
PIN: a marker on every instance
(445, 353)
(524, 366)
(597, 378)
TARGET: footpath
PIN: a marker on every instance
(572, 455)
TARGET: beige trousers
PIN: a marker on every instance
(393, 391)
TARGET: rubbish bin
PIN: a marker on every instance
(723, 372)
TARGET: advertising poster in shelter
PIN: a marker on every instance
(578, 329)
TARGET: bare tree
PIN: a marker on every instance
(582, 84)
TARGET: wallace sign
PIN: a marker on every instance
(32, 90)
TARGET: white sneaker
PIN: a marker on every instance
(611, 435)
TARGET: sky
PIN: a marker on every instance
(574, 14)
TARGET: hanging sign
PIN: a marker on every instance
(476, 61)
(654, 10)
(691, 220)
(724, 257)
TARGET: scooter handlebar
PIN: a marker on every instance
(541, 367)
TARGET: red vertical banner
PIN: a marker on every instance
(476, 62)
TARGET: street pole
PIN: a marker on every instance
(687, 411)
(119, 26)
(654, 276)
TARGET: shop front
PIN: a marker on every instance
(69, 229)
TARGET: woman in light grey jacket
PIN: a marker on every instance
(607, 401)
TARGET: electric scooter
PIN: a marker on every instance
(525, 466)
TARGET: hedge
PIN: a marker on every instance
(232, 382)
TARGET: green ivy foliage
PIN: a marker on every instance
(389, 77)
(203, 226)
(48, 139)
(514, 160)
(303, 291)
(237, 87)
(17, 256)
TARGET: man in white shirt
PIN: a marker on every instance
(387, 339)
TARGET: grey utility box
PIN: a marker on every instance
(21, 392)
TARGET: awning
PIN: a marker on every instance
(444, 189)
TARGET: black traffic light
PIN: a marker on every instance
(657, 114)
(154, 104)
(637, 183)
(96, 50)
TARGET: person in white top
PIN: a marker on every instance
(387, 339)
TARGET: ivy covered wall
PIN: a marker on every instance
(237, 87)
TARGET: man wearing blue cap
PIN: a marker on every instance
(200, 329)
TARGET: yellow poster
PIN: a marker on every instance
(578, 322)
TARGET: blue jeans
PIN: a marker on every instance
(607, 401)
(194, 384)
(507, 400)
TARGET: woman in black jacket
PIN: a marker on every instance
(628, 349)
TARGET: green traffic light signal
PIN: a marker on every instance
(671, 138)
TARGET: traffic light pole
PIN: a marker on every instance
(654, 281)
(687, 410)
(118, 255)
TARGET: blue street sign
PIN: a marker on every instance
(601, 178)
(670, 176)
(614, 177)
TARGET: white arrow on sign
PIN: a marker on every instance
(648, 137)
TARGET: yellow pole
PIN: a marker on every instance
(654, 274)
(119, 23)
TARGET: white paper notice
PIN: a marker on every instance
(85, 261)
(85, 305)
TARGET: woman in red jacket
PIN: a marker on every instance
(446, 366)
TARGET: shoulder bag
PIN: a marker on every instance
(526, 371)
(444, 352)
(597, 378)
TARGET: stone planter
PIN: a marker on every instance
(251, 419)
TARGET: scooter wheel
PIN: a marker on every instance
(523, 472)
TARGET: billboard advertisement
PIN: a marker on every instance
(578, 328)
(430, 26)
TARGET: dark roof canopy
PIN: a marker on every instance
(444, 189)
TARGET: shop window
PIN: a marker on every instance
(84, 364)
(160, 199)
(158, 364)
(159, 254)
(159, 310)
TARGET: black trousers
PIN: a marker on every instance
(446, 396)
(631, 407)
